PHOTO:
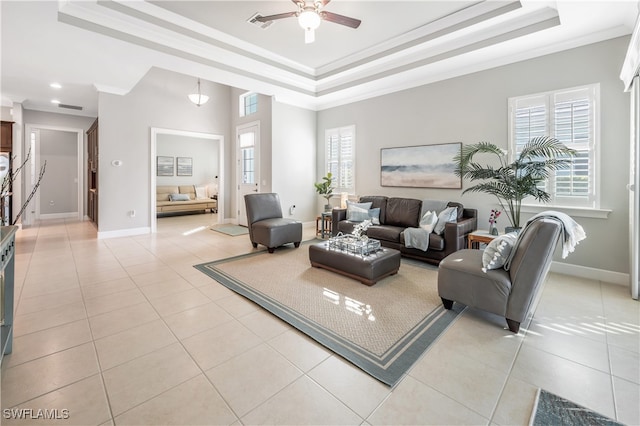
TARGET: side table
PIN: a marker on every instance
(323, 224)
(479, 236)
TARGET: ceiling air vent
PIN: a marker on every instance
(76, 107)
(263, 25)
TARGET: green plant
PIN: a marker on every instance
(510, 183)
(325, 187)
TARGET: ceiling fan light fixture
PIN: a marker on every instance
(309, 19)
(198, 98)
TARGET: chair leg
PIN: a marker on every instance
(296, 244)
(271, 249)
(448, 304)
(513, 325)
(255, 245)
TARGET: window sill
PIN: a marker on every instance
(571, 211)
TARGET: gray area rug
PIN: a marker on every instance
(233, 230)
(551, 409)
(382, 329)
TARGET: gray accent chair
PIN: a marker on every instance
(266, 224)
(506, 293)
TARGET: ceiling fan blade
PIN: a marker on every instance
(274, 17)
(340, 19)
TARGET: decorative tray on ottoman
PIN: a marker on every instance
(353, 245)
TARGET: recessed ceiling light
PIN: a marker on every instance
(55, 101)
(55, 86)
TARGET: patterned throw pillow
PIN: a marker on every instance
(497, 251)
(450, 214)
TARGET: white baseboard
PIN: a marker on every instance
(72, 215)
(124, 233)
(590, 273)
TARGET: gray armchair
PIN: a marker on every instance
(266, 224)
(506, 293)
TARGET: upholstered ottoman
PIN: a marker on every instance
(366, 269)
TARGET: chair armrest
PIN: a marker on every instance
(337, 215)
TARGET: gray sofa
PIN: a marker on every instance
(397, 214)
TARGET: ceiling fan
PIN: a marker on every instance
(310, 14)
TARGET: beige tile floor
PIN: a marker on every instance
(126, 331)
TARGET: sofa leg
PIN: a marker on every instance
(271, 249)
(296, 244)
(513, 325)
(255, 245)
(448, 304)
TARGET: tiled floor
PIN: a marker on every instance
(125, 331)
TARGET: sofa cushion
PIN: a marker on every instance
(385, 233)
(450, 214)
(377, 202)
(404, 212)
(179, 197)
(357, 212)
(460, 208)
(436, 242)
(163, 192)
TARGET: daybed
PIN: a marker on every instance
(181, 199)
(397, 214)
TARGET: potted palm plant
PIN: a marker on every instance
(325, 189)
(512, 182)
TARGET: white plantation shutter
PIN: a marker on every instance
(340, 145)
(571, 117)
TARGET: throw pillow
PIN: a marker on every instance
(357, 214)
(450, 214)
(374, 215)
(428, 221)
(497, 251)
(201, 193)
(354, 211)
(179, 197)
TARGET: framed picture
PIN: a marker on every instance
(185, 166)
(164, 166)
(424, 166)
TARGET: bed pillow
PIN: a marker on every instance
(179, 197)
(497, 251)
(450, 214)
(428, 221)
(357, 212)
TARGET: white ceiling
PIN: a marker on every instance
(108, 46)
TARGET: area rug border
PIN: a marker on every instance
(388, 367)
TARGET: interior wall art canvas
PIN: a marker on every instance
(423, 166)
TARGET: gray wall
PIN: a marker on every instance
(59, 187)
(52, 119)
(294, 160)
(473, 108)
(203, 153)
(158, 100)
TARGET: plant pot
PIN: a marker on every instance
(327, 207)
(509, 229)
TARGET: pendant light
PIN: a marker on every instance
(198, 98)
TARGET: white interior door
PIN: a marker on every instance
(248, 158)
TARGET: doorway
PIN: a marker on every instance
(157, 135)
(60, 192)
(248, 157)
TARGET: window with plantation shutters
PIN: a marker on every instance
(572, 117)
(340, 155)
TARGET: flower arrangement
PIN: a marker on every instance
(360, 228)
(493, 219)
